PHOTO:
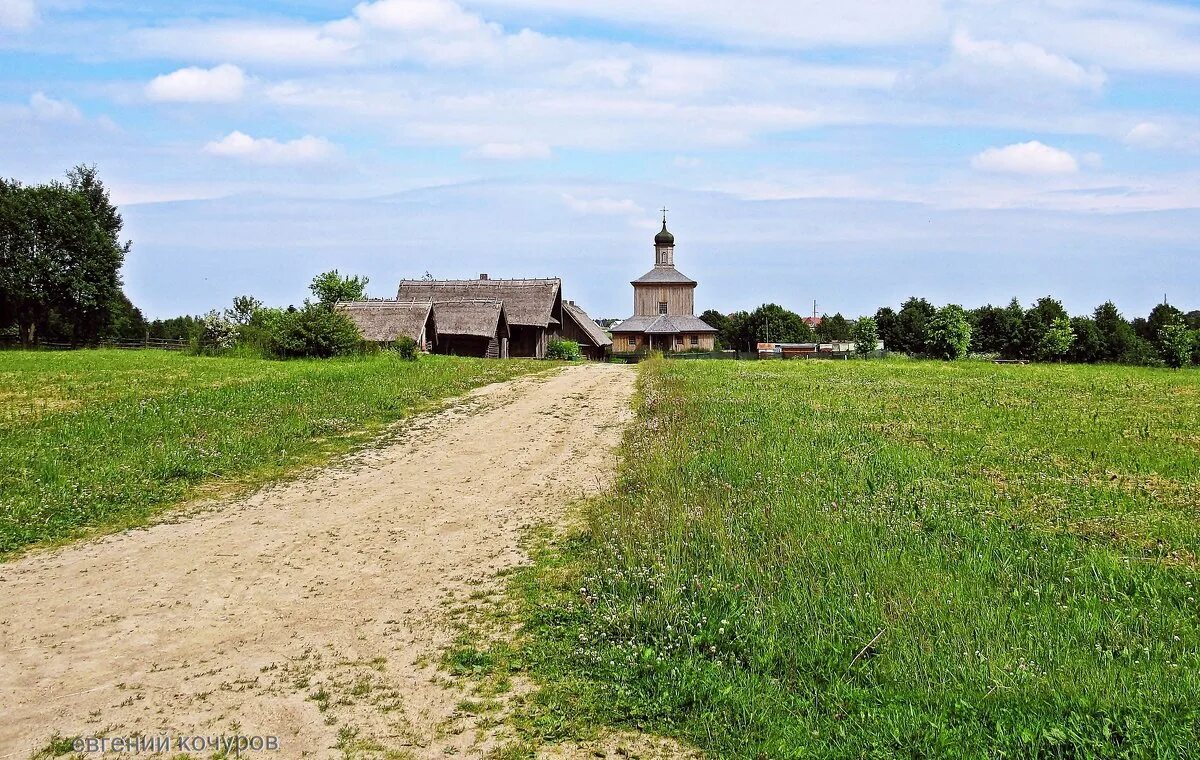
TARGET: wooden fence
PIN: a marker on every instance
(162, 344)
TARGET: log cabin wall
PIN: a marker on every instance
(680, 299)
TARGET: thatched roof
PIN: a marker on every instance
(475, 317)
(526, 302)
(387, 321)
(594, 331)
(664, 325)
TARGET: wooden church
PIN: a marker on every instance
(664, 308)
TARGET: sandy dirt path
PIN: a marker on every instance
(314, 610)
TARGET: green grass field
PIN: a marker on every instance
(104, 439)
(881, 559)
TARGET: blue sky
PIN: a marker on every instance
(853, 153)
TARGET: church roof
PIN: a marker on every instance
(526, 302)
(664, 237)
(386, 321)
(663, 324)
(666, 275)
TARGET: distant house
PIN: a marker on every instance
(518, 318)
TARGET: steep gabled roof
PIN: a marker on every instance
(589, 327)
(664, 324)
(526, 302)
(386, 321)
(664, 275)
(478, 318)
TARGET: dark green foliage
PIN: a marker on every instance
(720, 323)
(833, 328)
(314, 331)
(911, 324)
(1161, 316)
(1041, 317)
(60, 258)
(125, 320)
(1089, 343)
(948, 333)
(889, 329)
(330, 287)
(243, 310)
(1115, 332)
(567, 350)
(175, 328)
(997, 330)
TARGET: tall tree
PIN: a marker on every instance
(1115, 332)
(995, 329)
(866, 336)
(60, 257)
(774, 323)
(1175, 343)
(1041, 317)
(1056, 340)
(885, 319)
(911, 323)
(330, 287)
(1161, 316)
(836, 327)
(1089, 343)
(948, 333)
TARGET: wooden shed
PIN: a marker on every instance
(578, 326)
(388, 321)
(471, 327)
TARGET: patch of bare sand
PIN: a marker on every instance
(314, 610)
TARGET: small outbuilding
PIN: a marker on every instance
(593, 341)
(388, 321)
(471, 328)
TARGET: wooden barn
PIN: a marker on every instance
(579, 327)
(484, 317)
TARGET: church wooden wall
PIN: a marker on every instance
(680, 299)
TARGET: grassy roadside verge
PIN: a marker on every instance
(881, 559)
(105, 439)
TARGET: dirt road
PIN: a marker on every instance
(315, 610)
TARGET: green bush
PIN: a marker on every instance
(313, 331)
(406, 347)
(564, 349)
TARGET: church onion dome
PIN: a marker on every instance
(664, 238)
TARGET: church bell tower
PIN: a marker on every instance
(664, 246)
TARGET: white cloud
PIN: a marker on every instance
(1031, 157)
(266, 150)
(518, 151)
(1165, 135)
(220, 84)
(602, 206)
(45, 108)
(17, 14)
(791, 24)
(1018, 63)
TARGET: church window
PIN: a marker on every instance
(662, 307)
(695, 340)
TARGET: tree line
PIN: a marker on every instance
(1042, 332)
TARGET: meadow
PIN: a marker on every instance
(93, 440)
(883, 559)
